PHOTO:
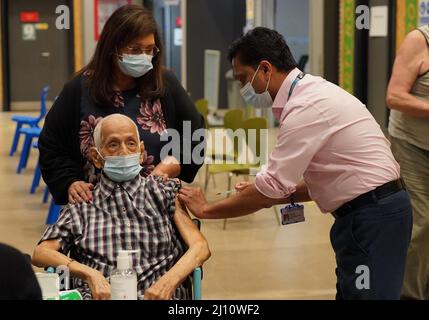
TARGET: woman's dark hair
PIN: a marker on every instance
(125, 25)
(263, 44)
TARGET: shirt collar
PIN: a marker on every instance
(132, 186)
(283, 94)
(107, 186)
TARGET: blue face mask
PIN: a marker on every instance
(135, 66)
(122, 168)
(257, 100)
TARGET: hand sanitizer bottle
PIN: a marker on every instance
(123, 280)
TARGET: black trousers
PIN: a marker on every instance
(371, 246)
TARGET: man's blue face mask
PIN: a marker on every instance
(258, 100)
(122, 168)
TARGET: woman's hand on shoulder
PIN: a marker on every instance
(80, 191)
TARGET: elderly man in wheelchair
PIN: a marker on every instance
(128, 212)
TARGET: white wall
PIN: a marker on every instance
(89, 42)
(292, 21)
(317, 37)
(88, 30)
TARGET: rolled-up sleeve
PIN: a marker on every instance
(302, 134)
(165, 192)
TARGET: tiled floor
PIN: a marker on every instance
(253, 258)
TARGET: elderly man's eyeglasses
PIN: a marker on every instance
(137, 50)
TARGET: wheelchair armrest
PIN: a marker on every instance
(198, 273)
(198, 224)
(197, 282)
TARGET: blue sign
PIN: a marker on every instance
(423, 12)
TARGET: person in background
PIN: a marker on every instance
(125, 76)
(408, 99)
(17, 279)
(129, 212)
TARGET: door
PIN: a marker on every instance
(38, 52)
(380, 62)
(167, 14)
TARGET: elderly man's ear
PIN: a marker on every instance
(96, 158)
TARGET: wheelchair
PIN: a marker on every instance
(196, 279)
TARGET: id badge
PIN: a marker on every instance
(292, 214)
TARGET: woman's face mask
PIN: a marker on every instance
(135, 66)
(258, 100)
(122, 168)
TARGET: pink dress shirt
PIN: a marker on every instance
(329, 138)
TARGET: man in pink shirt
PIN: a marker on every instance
(329, 138)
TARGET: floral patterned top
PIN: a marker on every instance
(67, 131)
(148, 115)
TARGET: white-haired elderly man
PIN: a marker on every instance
(128, 212)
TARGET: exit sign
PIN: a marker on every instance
(29, 17)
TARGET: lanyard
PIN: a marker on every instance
(294, 83)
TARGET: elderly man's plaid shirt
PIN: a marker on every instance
(135, 215)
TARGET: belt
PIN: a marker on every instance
(370, 198)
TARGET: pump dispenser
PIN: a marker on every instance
(123, 280)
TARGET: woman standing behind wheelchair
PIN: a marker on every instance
(124, 76)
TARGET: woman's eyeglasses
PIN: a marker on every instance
(136, 50)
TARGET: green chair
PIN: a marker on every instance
(202, 106)
(250, 112)
(238, 169)
(233, 120)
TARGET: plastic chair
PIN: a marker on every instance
(30, 133)
(37, 172)
(237, 169)
(202, 106)
(53, 213)
(32, 122)
(233, 120)
(46, 195)
(250, 112)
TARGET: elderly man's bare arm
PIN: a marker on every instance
(198, 252)
(47, 254)
(411, 62)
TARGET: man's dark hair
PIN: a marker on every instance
(263, 44)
